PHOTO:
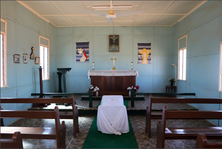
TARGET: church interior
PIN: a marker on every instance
(139, 50)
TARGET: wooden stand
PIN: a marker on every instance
(171, 89)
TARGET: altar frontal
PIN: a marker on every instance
(113, 82)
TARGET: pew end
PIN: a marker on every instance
(57, 133)
(201, 142)
(15, 142)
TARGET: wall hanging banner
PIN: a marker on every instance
(82, 52)
(144, 53)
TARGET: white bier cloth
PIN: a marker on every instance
(112, 115)
(112, 100)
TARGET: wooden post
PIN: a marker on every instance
(60, 82)
(40, 80)
(41, 91)
(132, 97)
(90, 98)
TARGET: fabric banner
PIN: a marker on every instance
(144, 53)
(82, 52)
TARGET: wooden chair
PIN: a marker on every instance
(58, 132)
(15, 142)
(202, 142)
(164, 133)
(63, 115)
(157, 115)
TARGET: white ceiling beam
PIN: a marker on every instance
(163, 11)
(62, 13)
(192, 10)
(36, 13)
(154, 14)
(84, 3)
(137, 14)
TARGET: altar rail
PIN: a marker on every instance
(133, 94)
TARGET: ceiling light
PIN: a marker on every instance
(119, 7)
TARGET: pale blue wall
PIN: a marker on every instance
(23, 30)
(152, 77)
(204, 31)
(203, 27)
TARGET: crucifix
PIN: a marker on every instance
(113, 62)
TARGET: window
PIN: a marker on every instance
(3, 53)
(220, 83)
(182, 57)
(44, 57)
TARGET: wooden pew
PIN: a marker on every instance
(15, 142)
(133, 94)
(73, 116)
(58, 132)
(150, 115)
(202, 142)
(164, 133)
(65, 94)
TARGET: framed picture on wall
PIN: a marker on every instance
(25, 58)
(16, 58)
(36, 60)
(113, 43)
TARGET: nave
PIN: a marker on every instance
(138, 124)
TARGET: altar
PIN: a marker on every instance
(113, 82)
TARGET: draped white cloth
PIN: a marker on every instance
(112, 116)
(112, 73)
(112, 100)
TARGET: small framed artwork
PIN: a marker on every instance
(25, 58)
(113, 43)
(16, 58)
(36, 60)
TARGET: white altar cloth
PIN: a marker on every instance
(112, 73)
(112, 116)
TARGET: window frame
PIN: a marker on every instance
(5, 53)
(180, 49)
(48, 46)
(220, 69)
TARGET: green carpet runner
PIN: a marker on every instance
(97, 139)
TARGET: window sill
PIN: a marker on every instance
(5, 86)
(46, 79)
(181, 80)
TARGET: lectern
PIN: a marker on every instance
(63, 71)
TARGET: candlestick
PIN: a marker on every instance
(93, 65)
(132, 65)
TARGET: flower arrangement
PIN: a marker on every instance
(171, 81)
(137, 88)
(94, 89)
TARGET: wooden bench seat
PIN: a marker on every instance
(58, 132)
(201, 142)
(14, 142)
(164, 133)
(151, 115)
(64, 115)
